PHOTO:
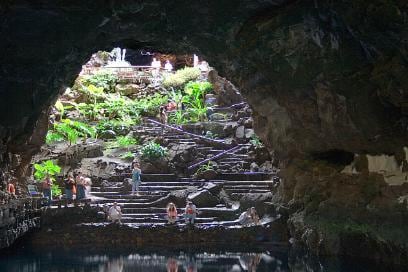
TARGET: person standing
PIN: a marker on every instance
(87, 184)
(46, 188)
(136, 172)
(11, 188)
(190, 213)
(80, 186)
(163, 115)
(69, 187)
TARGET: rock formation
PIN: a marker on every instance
(326, 79)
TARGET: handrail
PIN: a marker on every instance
(233, 150)
(187, 133)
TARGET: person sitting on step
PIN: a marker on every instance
(115, 213)
(136, 172)
(190, 213)
(171, 213)
(255, 216)
(250, 216)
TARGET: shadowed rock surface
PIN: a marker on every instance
(320, 76)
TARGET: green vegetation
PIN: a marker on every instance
(255, 141)
(46, 168)
(127, 156)
(103, 79)
(123, 142)
(181, 77)
(70, 131)
(153, 151)
(94, 107)
(205, 167)
(56, 190)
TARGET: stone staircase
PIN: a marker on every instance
(147, 209)
(235, 161)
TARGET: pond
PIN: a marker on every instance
(80, 261)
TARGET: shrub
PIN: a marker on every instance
(102, 79)
(153, 151)
(181, 77)
(56, 190)
(150, 105)
(117, 125)
(127, 156)
(70, 130)
(46, 168)
(255, 141)
(123, 141)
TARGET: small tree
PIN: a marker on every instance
(51, 169)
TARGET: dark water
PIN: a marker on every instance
(81, 261)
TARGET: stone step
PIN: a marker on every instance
(163, 219)
(249, 186)
(246, 176)
(247, 191)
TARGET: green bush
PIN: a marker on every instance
(181, 77)
(123, 141)
(127, 156)
(102, 79)
(46, 168)
(69, 130)
(56, 190)
(153, 151)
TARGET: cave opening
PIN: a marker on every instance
(171, 114)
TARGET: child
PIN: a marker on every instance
(171, 213)
(136, 172)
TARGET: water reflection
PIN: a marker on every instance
(181, 262)
(77, 261)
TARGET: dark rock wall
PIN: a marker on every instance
(320, 75)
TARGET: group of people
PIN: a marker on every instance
(80, 186)
(190, 213)
(114, 213)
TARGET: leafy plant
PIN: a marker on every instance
(178, 117)
(53, 137)
(103, 79)
(117, 124)
(123, 141)
(150, 105)
(70, 130)
(60, 108)
(255, 141)
(181, 77)
(153, 151)
(205, 167)
(46, 168)
(56, 190)
(127, 156)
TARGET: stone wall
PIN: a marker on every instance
(17, 218)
